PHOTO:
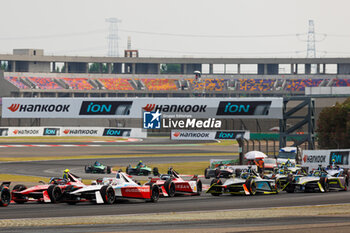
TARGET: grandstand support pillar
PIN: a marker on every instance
(133, 68)
(66, 67)
(317, 68)
(13, 66)
(109, 68)
(296, 69)
(265, 68)
(291, 68)
(238, 68)
(210, 68)
(53, 67)
(184, 68)
(86, 68)
(324, 69)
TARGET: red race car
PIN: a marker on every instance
(51, 192)
(172, 184)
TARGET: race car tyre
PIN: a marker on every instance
(108, 194)
(145, 172)
(290, 187)
(70, 199)
(138, 171)
(238, 172)
(87, 169)
(109, 170)
(217, 173)
(5, 196)
(155, 171)
(127, 170)
(217, 189)
(199, 186)
(19, 198)
(55, 193)
(206, 173)
(155, 192)
(324, 183)
(251, 186)
(169, 186)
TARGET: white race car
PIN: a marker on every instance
(106, 190)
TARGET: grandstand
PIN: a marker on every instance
(29, 73)
(95, 85)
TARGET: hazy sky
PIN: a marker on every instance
(191, 28)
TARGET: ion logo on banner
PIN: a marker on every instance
(50, 131)
(117, 132)
(151, 120)
(340, 157)
(105, 108)
(247, 108)
(229, 135)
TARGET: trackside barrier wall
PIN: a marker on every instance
(313, 158)
(72, 131)
(209, 135)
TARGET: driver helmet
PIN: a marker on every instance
(140, 161)
(67, 170)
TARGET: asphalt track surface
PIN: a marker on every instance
(205, 202)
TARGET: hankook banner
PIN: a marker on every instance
(72, 131)
(136, 107)
(313, 158)
(209, 135)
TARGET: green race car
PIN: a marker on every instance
(97, 167)
(141, 170)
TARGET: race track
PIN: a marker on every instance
(205, 202)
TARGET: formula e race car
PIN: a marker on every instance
(141, 170)
(248, 183)
(5, 194)
(97, 167)
(51, 192)
(106, 190)
(172, 184)
(320, 180)
(221, 171)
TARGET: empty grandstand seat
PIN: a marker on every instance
(160, 84)
(300, 84)
(44, 83)
(78, 83)
(121, 84)
(208, 84)
(256, 84)
(341, 82)
(17, 82)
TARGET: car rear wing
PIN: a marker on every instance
(6, 183)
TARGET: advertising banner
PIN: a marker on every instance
(203, 108)
(72, 131)
(25, 131)
(209, 135)
(313, 158)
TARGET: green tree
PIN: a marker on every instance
(170, 69)
(95, 68)
(333, 126)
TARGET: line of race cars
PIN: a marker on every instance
(244, 180)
